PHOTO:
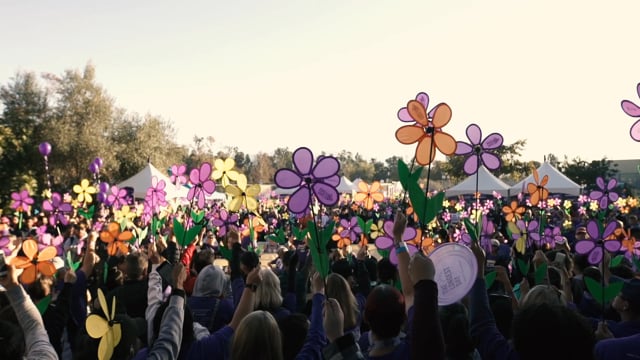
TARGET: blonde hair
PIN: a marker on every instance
(268, 296)
(338, 288)
(257, 337)
(543, 294)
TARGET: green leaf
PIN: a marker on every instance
(226, 253)
(541, 273)
(197, 216)
(490, 278)
(523, 267)
(318, 251)
(367, 227)
(143, 233)
(43, 304)
(72, 265)
(190, 235)
(178, 230)
(384, 253)
(471, 229)
(123, 224)
(360, 223)
(278, 236)
(407, 177)
(300, 234)
(426, 208)
(603, 294)
(616, 261)
(87, 214)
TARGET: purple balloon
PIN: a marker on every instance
(102, 197)
(98, 161)
(44, 148)
(94, 168)
(103, 187)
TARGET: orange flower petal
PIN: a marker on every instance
(114, 229)
(375, 187)
(441, 116)
(409, 134)
(46, 268)
(360, 197)
(377, 196)
(417, 112)
(21, 262)
(29, 274)
(426, 151)
(125, 236)
(445, 143)
(30, 248)
(47, 253)
(363, 186)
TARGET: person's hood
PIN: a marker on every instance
(210, 282)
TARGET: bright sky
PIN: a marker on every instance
(331, 75)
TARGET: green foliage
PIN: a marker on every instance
(584, 172)
(318, 246)
(603, 294)
(490, 278)
(541, 273)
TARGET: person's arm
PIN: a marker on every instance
(312, 348)
(399, 225)
(426, 333)
(362, 274)
(37, 345)
(503, 277)
(167, 346)
(341, 346)
(490, 343)
(155, 294)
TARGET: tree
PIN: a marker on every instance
(586, 173)
(25, 107)
(262, 169)
(282, 158)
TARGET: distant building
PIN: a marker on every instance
(628, 174)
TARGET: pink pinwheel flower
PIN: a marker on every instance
(57, 209)
(117, 197)
(486, 234)
(604, 194)
(477, 151)
(156, 195)
(592, 247)
(45, 239)
(178, 176)
(320, 180)
(21, 200)
(423, 98)
(350, 229)
(633, 110)
(202, 185)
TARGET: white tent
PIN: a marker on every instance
(346, 186)
(487, 184)
(141, 181)
(558, 182)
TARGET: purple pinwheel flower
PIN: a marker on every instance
(592, 247)
(528, 231)
(350, 229)
(605, 193)
(385, 242)
(4, 241)
(551, 236)
(45, 239)
(202, 184)
(320, 179)
(633, 110)
(117, 197)
(486, 234)
(156, 195)
(477, 150)
(21, 200)
(57, 209)
(225, 222)
(423, 98)
(178, 174)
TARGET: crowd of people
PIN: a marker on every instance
(164, 301)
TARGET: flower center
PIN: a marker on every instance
(477, 149)
(429, 130)
(307, 181)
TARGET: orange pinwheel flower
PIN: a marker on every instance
(368, 194)
(34, 261)
(513, 212)
(428, 245)
(258, 226)
(340, 240)
(537, 190)
(115, 239)
(427, 132)
(628, 241)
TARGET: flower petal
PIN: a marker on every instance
(417, 112)
(444, 142)
(47, 253)
(29, 274)
(423, 98)
(471, 164)
(492, 141)
(635, 131)
(630, 108)
(490, 160)
(299, 200)
(474, 134)
(409, 134)
(403, 115)
(326, 167)
(46, 268)
(287, 179)
(303, 160)
(425, 151)
(462, 148)
(30, 248)
(327, 195)
(441, 116)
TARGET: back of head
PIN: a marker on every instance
(11, 341)
(502, 310)
(205, 257)
(543, 294)
(384, 311)
(387, 272)
(338, 288)
(257, 337)
(580, 262)
(342, 267)
(293, 329)
(210, 282)
(455, 329)
(544, 331)
(136, 265)
(268, 296)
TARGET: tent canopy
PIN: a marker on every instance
(487, 184)
(558, 182)
(143, 180)
(346, 186)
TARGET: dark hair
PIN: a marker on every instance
(249, 259)
(137, 264)
(342, 267)
(455, 329)
(11, 341)
(580, 262)
(544, 331)
(384, 311)
(203, 258)
(502, 309)
(294, 330)
(387, 272)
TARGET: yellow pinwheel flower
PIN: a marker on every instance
(567, 204)
(84, 191)
(632, 202)
(108, 331)
(593, 205)
(223, 171)
(126, 213)
(377, 229)
(242, 194)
